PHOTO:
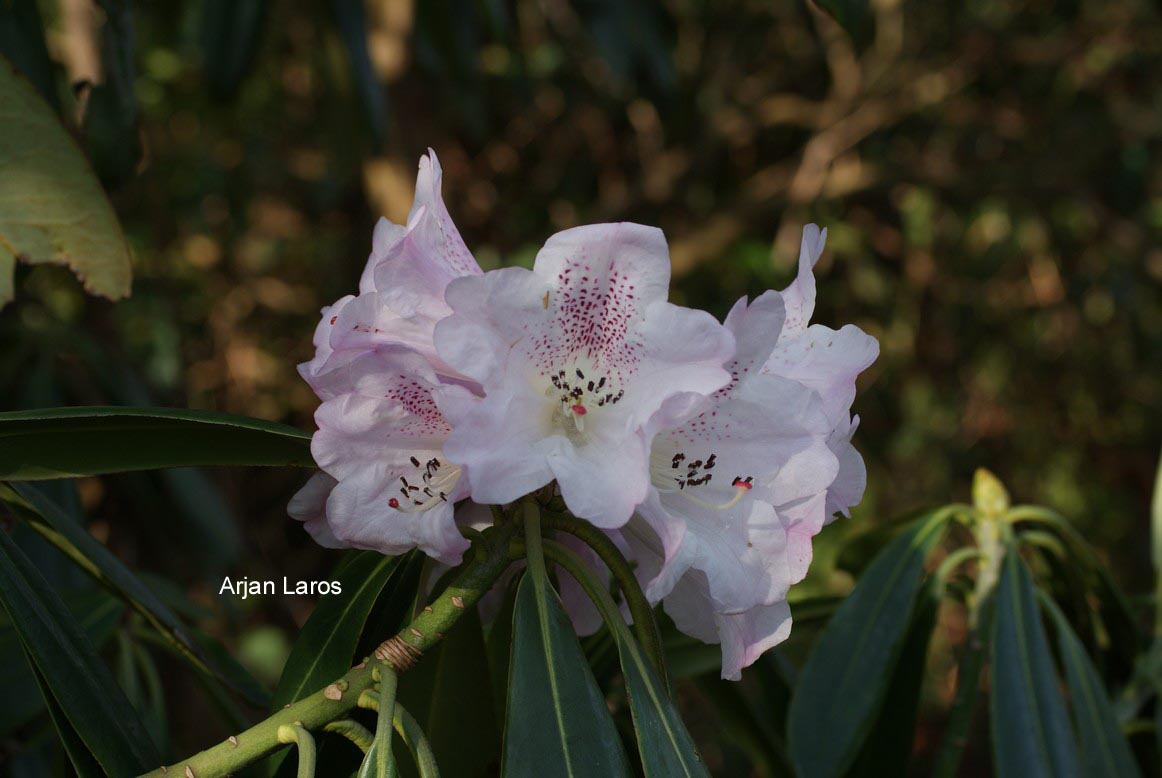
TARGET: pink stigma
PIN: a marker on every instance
(393, 502)
(579, 410)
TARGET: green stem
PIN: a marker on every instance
(353, 731)
(644, 623)
(489, 560)
(967, 690)
(385, 766)
(294, 733)
(412, 735)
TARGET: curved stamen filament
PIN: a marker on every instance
(435, 484)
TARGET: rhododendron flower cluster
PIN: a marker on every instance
(712, 452)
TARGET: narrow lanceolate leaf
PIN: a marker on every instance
(1030, 728)
(71, 442)
(33, 506)
(840, 691)
(81, 760)
(557, 722)
(326, 645)
(52, 208)
(1104, 750)
(78, 681)
(888, 748)
(665, 746)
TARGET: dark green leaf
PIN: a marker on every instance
(78, 753)
(1104, 750)
(843, 684)
(22, 42)
(79, 682)
(499, 645)
(70, 442)
(467, 747)
(351, 18)
(229, 41)
(664, 745)
(110, 122)
(557, 721)
(888, 747)
(1030, 728)
(31, 505)
(97, 614)
(325, 648)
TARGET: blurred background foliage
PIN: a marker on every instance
(990, 174)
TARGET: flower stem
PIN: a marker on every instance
(489, 559)
(294, 733)
(353, 731)
(412, 735)
(385, 766)
(644, 624)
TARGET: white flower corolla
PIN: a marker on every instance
(739, 491)
(575, 358)
(401, 292)
(386, 483)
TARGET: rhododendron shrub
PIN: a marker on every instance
(563, 504)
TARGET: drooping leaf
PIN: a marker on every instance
(52, 209)
(557, 722)
(110, 121)
(95, 611)
(31, 505)
(71, 442)
(326, 645)
(82, 761)
(665, 747)
(77, 679)
(351, 18)
(22, 42)
(462, 687)
(499, 646)
(888, 748)
(1104, 750)
(1030, 728)
(229, 41)
(1156, 539)
(842, 686)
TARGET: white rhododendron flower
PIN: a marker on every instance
(740, 490)
(575, 358)
(711, 453)
(401, 293)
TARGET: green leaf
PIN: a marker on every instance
(325, 648)
(1030, 729)
(499, 645)
(665, 746)
(461, 685)
(351, 18)
(95, 611)
(89, 698)
(31, 505)
(557, 721)
(888, 748)
(229, 40)
(78, 753)
(71, 442)
(1104, 750)
(842, 686)
(69, 220)
(22, 42)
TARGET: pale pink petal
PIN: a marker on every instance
(800, 295)
(309, 505)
